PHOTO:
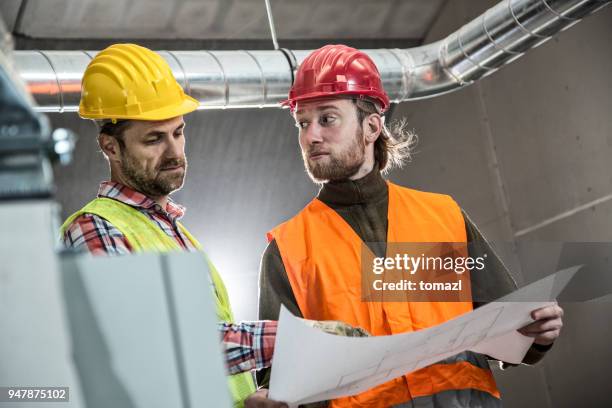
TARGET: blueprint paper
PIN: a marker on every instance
(310, 365)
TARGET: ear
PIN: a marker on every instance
(110, 146)
(372, 127)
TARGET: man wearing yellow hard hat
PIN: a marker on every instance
(138, 106)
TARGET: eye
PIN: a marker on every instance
(327, 120)
(152, 140)
(301, 125)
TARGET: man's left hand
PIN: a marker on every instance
(547, 325)
(260, 400)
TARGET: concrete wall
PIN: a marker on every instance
(526, 152)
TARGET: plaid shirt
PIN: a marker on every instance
(248, 345)
(99, 237)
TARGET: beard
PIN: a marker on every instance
(156, 182)
(337, 165)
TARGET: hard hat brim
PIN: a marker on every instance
(292, 102)
(188, 105)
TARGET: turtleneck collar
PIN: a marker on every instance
(370, 188)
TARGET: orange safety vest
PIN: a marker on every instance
(322, 256)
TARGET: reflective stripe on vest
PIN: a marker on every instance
(144, 235)
(321, 254)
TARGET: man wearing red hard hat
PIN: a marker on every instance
(312, 264)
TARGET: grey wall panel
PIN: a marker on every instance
(578, 370)
(585, 343)
(195, 331)
(449, 129)
(523, 387)
(551, 119)
(121, 331)
(591, 224)
(35, 344)
(143, 331)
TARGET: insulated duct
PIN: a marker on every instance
(249, 79)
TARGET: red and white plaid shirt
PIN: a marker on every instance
(98, 236)
(248, 345)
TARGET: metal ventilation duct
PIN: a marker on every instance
(239, 79)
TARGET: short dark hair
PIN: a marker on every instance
(394, 145)
(115, 129)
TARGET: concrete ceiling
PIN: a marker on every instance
(219, 19)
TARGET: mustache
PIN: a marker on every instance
(171, 163)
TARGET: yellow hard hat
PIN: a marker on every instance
(127, 81)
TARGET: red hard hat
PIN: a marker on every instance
(337, 70)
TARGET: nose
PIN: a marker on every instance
(312, 134)
(175, 147)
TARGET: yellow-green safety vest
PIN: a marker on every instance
(145, 236)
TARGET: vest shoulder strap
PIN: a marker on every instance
(425, 209)
(140, 231)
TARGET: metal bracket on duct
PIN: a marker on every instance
(27, 145)
(250, 79)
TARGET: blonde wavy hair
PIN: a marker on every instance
(396, 142)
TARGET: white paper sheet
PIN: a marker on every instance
(310, 365)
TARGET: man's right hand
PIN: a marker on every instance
(338, 328)
(260, 400)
